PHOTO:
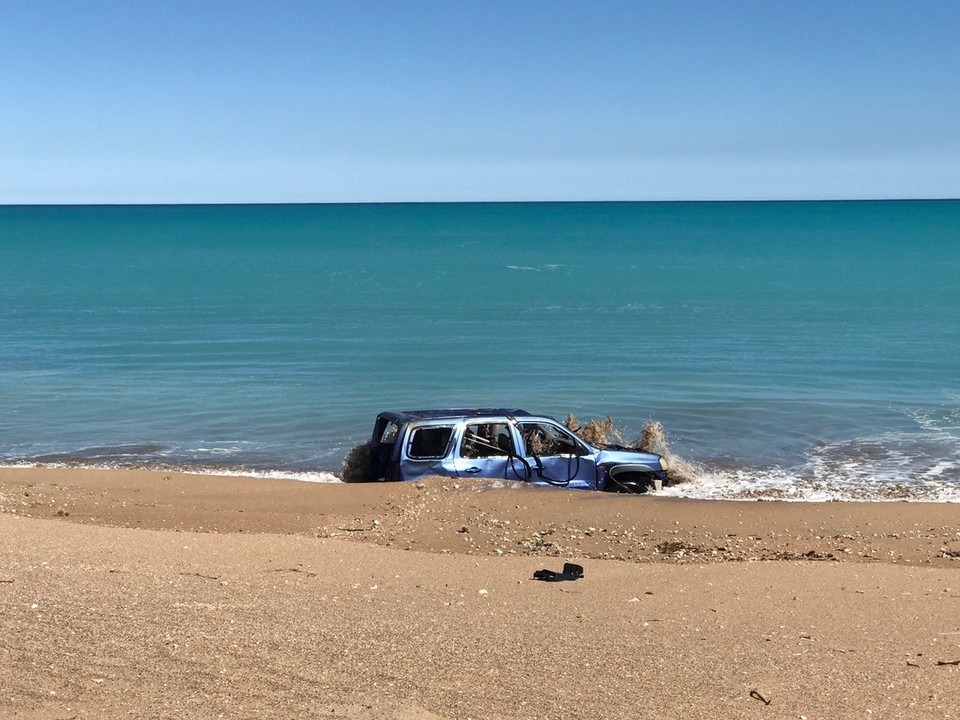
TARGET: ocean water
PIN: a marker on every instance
(795, 350)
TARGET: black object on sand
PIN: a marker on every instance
(570, 572)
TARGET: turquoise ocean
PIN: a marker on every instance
(806, 350)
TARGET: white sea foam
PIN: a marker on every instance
(822, 482)
(536, 268)
(914, 466)
(313, 476)
(894, 466)
(301, 475)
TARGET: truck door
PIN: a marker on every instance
(427, 452)
(488, 449)
(557, 457)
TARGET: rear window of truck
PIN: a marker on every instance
(429, 442)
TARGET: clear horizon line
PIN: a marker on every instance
(478, 202)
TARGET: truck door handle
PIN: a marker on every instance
(472, 470)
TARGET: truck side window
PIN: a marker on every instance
(486, 440)
(430, 442)
(543, 439)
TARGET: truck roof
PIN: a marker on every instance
(409, 415)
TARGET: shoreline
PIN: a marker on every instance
(707, 484)
(166, 594)
(478, 517)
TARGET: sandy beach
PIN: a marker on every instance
(144, 594)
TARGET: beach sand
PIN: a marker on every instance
(145, 594)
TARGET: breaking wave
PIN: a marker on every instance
(885, 468)
(790, 485)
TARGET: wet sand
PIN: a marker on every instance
(140, 594)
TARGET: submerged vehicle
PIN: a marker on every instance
(504, 444)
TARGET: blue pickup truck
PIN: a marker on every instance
(504, 444)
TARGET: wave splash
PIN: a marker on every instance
(652, 439)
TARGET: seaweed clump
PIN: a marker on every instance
(358, 465)
(653, 439)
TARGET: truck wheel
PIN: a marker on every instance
(632, 483)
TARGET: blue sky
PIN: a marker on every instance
(233, 101)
